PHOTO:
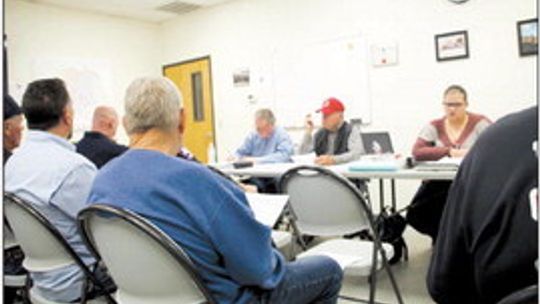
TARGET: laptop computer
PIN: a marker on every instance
(377, 143)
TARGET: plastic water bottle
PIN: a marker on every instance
(211, 153)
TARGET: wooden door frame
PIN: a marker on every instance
(170, 65)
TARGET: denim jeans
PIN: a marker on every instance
(314, 279)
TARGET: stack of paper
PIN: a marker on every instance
(370, 164)
(267, 207)
(304, 159)
(443, 164)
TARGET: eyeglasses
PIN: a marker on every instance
(453, 104)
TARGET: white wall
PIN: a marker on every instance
(42, 37)
(246, 33)
(404, 97)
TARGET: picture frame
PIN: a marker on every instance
(527, 37)
(452, 45)
(241, 77)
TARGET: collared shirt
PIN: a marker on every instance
(47, 172)
(277, 148)
(356, 148)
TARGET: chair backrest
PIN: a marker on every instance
(9, 238)
(528, 295)
(324, 203)
(147, 266)
(44, 246)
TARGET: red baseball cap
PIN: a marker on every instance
(331, 105)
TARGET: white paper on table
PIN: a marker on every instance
(222, 165)
(304, 159)
(445, 163)
(374, 164)
(267, 207)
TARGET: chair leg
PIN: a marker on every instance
(26, 290)
(85, 290)
(377, 243)
(387, 266)
(26, 296)
(373, 275)
(405, 251)
(372, 279)
(298, 235)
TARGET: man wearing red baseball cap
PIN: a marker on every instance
(336, 142)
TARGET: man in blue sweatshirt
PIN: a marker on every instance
(207, 215)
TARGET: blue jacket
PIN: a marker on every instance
(205, 214)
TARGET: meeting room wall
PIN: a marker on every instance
(101, 53)
(245, 34)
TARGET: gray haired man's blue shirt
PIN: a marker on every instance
(276, 148)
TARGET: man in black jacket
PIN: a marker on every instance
(488, 239)
(98, 145)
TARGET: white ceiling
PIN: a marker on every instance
(137, 9)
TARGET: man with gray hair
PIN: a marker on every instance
(206, 214)
(268, 144)
(98, 145)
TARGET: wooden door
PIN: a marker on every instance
(193, 79)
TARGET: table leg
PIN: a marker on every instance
(393, 183)
(381, 194)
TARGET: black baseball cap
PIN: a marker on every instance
(11, 108)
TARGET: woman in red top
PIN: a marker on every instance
(455, 133)
(450, 136)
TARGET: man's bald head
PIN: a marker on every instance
(105, 121)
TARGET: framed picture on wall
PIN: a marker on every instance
(450, 46)
(241, 77)
(528, 37)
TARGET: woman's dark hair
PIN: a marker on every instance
(458, 88)
(44, 102)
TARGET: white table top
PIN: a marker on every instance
(276, 170)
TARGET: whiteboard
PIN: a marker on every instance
(89, 83)
(303, 77)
